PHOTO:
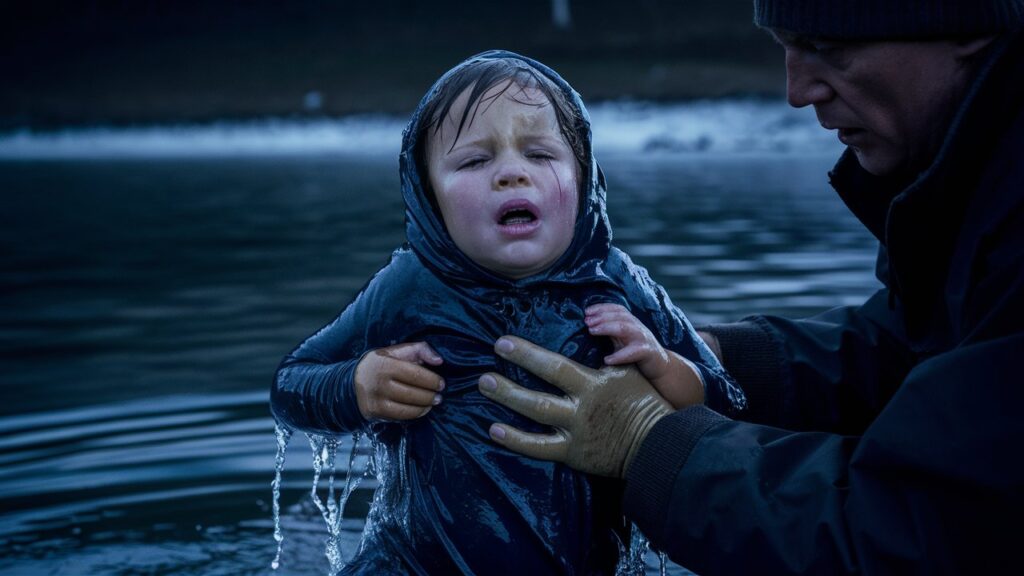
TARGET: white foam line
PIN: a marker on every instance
(713, 127)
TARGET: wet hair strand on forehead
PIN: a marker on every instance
(481, 76)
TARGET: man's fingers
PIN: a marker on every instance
(539, 406)
(550, 366)
(542, 446)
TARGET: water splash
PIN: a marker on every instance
(325, 449)
(631, 562)
(283, 435)
(352, 480)
(390, 507)
(332, 507)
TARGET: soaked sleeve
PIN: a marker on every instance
(314, 388)
(830, 372)
(928, 488)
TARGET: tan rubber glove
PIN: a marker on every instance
(599, 424)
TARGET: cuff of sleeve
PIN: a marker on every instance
(651, 476)
(754, 358)
(346, 408)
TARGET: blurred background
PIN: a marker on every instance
(120, 62)
(189, 189)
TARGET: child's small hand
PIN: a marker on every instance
(673, 376)
(392, 384)
(634, 343)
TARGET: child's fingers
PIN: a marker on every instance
(391, 410)
(629, 354)
(615, 314)
(618, 329)
(604, 308)
(393, 400)
(380, 375)
(402, 393)
(415, 375)
(415, 352)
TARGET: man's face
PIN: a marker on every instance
(891, 102)
(507, 185)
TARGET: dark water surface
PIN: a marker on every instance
(146, 305)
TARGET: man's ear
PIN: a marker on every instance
(966, 49)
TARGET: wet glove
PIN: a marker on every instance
(599, 424)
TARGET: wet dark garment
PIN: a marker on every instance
(891, 434)
(472, 506)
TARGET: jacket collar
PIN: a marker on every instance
(918, 221)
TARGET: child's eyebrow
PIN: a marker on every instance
(538, 136)
(459, 145)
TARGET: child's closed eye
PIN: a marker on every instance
(472, 162)
(540, 155)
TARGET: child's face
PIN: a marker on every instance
(507, 189)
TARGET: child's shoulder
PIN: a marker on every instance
(400, 276)
(621, 268)
(640, 289)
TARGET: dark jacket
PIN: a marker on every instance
(451, 501)
(889, 436)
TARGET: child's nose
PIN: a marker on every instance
(511, 175)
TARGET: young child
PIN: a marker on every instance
(506, 234)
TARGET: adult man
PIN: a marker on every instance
(883, 438)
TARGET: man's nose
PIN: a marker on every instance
(804, 81)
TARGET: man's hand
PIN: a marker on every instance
(599, 424)
(392, 384)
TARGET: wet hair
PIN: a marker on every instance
(483, 75)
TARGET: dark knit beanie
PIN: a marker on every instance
(889, 19)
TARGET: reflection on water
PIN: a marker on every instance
(146, 305)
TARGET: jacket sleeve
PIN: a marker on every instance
(933, 486)
(832, 372)
(314, 388)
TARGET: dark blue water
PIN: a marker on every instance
(146, 304)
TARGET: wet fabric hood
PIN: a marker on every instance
(429, 239)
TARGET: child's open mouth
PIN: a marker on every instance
(517, 215)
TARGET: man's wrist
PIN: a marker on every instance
(650, 416)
